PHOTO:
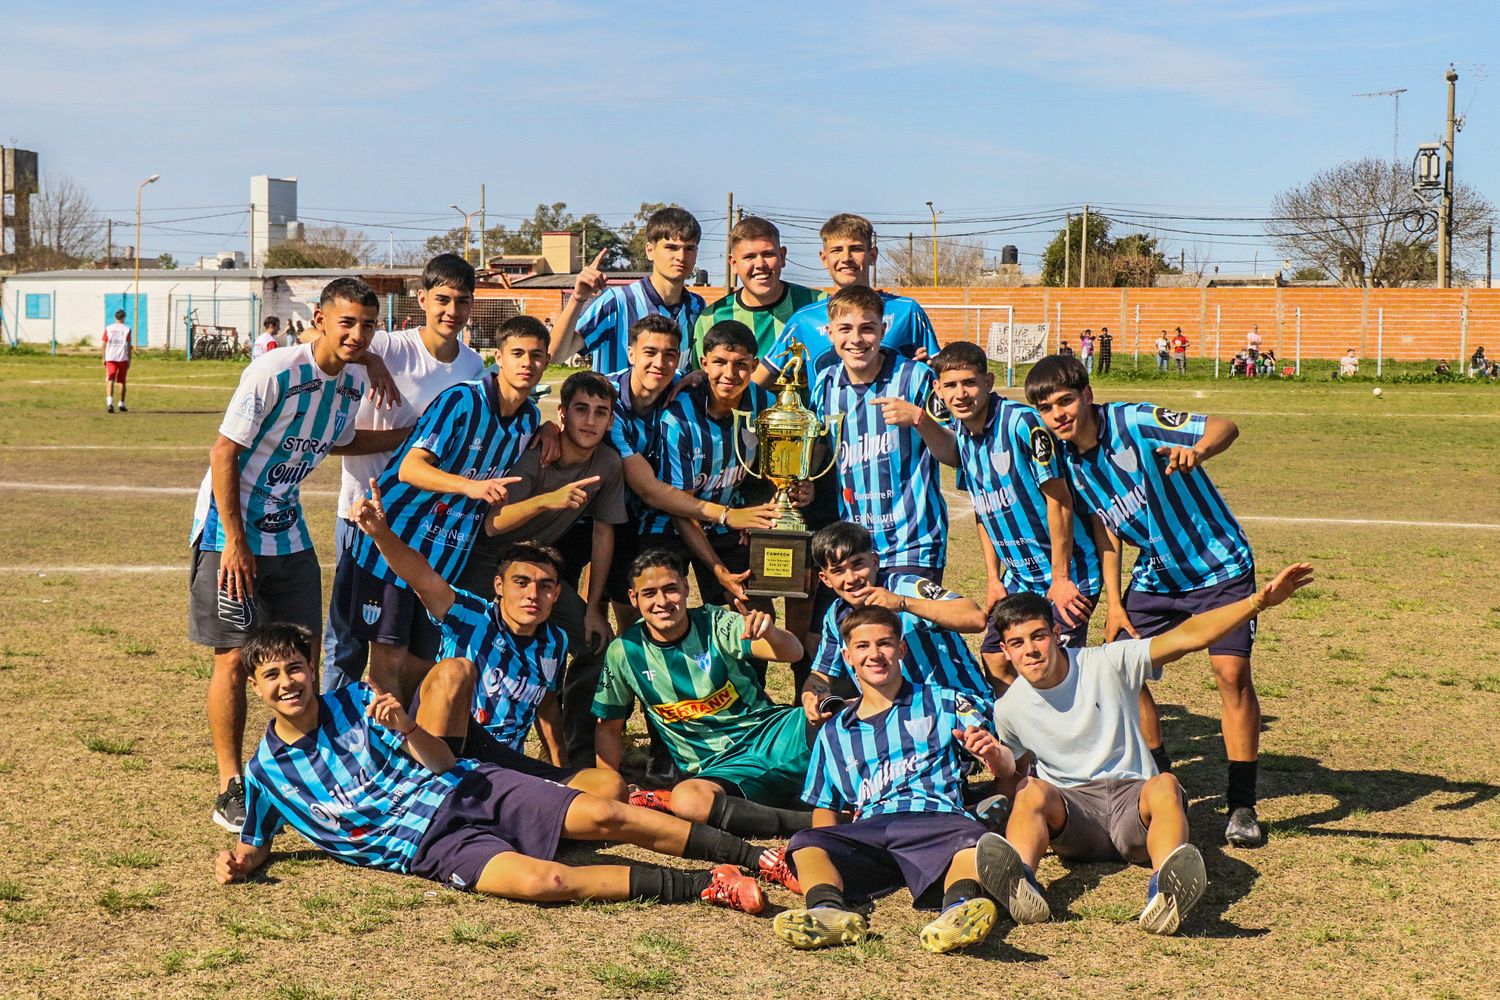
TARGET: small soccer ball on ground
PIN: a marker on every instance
(1376, 390)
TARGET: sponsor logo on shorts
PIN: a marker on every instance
(240, 614)
(1169, 418)
(1041, 446)
(277, 521)
(370, 612)
(932, 591)
(697, 708)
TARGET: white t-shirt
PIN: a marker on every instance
(117, 342)
(1348, 365)
(1087, 727)
(420, 377)
(1252, 340)
(1161, 345)
(263, 343)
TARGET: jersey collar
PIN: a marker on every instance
(660, 303)
(887, 366)
(1102, 418)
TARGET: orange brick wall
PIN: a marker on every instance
(1418, 323)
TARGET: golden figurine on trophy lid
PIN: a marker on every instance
(785, 433)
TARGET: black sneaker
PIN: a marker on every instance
(1244, 828)
(122, 408)
(109, 407)
(661, 770)
(229, 807)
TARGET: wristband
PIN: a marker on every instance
(414, 727)
(724, 517)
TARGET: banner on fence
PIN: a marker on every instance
(1029, 339)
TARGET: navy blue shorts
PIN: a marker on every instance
(879, 855)
(1074, 638)
(384, 612)
(481, 746)
(933, 573)
(492, 811)
(1153, 614)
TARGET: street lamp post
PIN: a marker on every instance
(467, 216)
(935, 214)
(135, 298)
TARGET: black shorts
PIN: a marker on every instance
(1074, 638)
(387, 613)
(1153, 614)
(481, 746)
(492, 811)
(627, 547)
(879, 855)
(287, 589)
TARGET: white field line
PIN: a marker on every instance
(94, 568)
(123, 446)
(130, 385)
(959, 499)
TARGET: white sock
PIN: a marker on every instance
(109, 400)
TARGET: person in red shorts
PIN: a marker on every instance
(117, 351)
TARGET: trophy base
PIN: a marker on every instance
(780, 563)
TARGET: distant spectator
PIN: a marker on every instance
(1252, 340)
(1163, 352)
(1086, 349)
(266, 340)
(1442, 367)
(1065, 350)
(1241, 365)
(119, 344)
(1268, 363)
(1479, 365)
(1179, 350)
(1349, 365)
(1106, 349)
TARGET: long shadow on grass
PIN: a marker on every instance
(1196, 742)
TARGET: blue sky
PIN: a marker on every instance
(387, 113)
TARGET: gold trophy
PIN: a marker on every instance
(780, 564)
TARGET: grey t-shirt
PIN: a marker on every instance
(1087, 727)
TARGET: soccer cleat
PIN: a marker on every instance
(229, 807)
(123, 409)
(993, 812)
(659, 799)
(1244, 828)
(774, 869)
(109, 408)
(730, 887)
(820, 927)
(1005, 876)
(1175, 889)
(959, 926)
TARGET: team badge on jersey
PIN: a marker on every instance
(1000, 459)
(919, 729)
(370, 612)
(705, 661)
(1041, 446)
(1125, 459)
(1170, 418)
(933, 591)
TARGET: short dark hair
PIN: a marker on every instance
(655, 323)
(838, 541)
(1015, 609)
(119, 315)
(850, 298)
(275, 642)
(729, 333)
(847, 225)
(448, 269)
(657, 559)
(589, 384)
(535, 553)
(348, 290)
(268, 321)
(522, 326)
(960, 354)
(870, 614)
(753, 227)
(673, 222)
(1053, 374)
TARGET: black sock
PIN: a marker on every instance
(824, 894)
(705, 843)
(1162, 758)
(667, 885)
(744, 818)
(1242, 776)
(961, 891)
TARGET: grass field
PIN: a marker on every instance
(1380, 767)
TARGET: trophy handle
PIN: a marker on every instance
(835, 430)
(747, 417)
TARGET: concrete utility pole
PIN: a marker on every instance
(252, 237)
(935, 214)
(729, 282)
(482, 257)
(1083, 251)
(1067, 250)
(135, 298)
(1489, 249)
(1445, 209)
(109, 243)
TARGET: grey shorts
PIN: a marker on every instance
(1104, 822)
(287, 589)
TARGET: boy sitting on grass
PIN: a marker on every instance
(887, 793)
(362, 781)
(1096, 794)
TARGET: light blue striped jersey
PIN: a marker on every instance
(515, 671)
(907, 329)
(695, 451)
(903, 760)
(349, 788)
(934, 655)
(464, 431)
(633, 432)
(287, 414)
(1004, 469)
(888, 479)
(1187, 537)
(606, 321)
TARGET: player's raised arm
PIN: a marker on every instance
(590, 282)
(368, 514)
(1202, 631)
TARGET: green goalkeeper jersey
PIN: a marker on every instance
(701, 689)
(764, 321)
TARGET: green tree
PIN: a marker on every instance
(1068, 243)
(166, 262)
(526, 239)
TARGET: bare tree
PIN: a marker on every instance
(335, 246)
(959, 263)
(65, 227)
(1360, 222)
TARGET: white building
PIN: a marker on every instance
(273, 214)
